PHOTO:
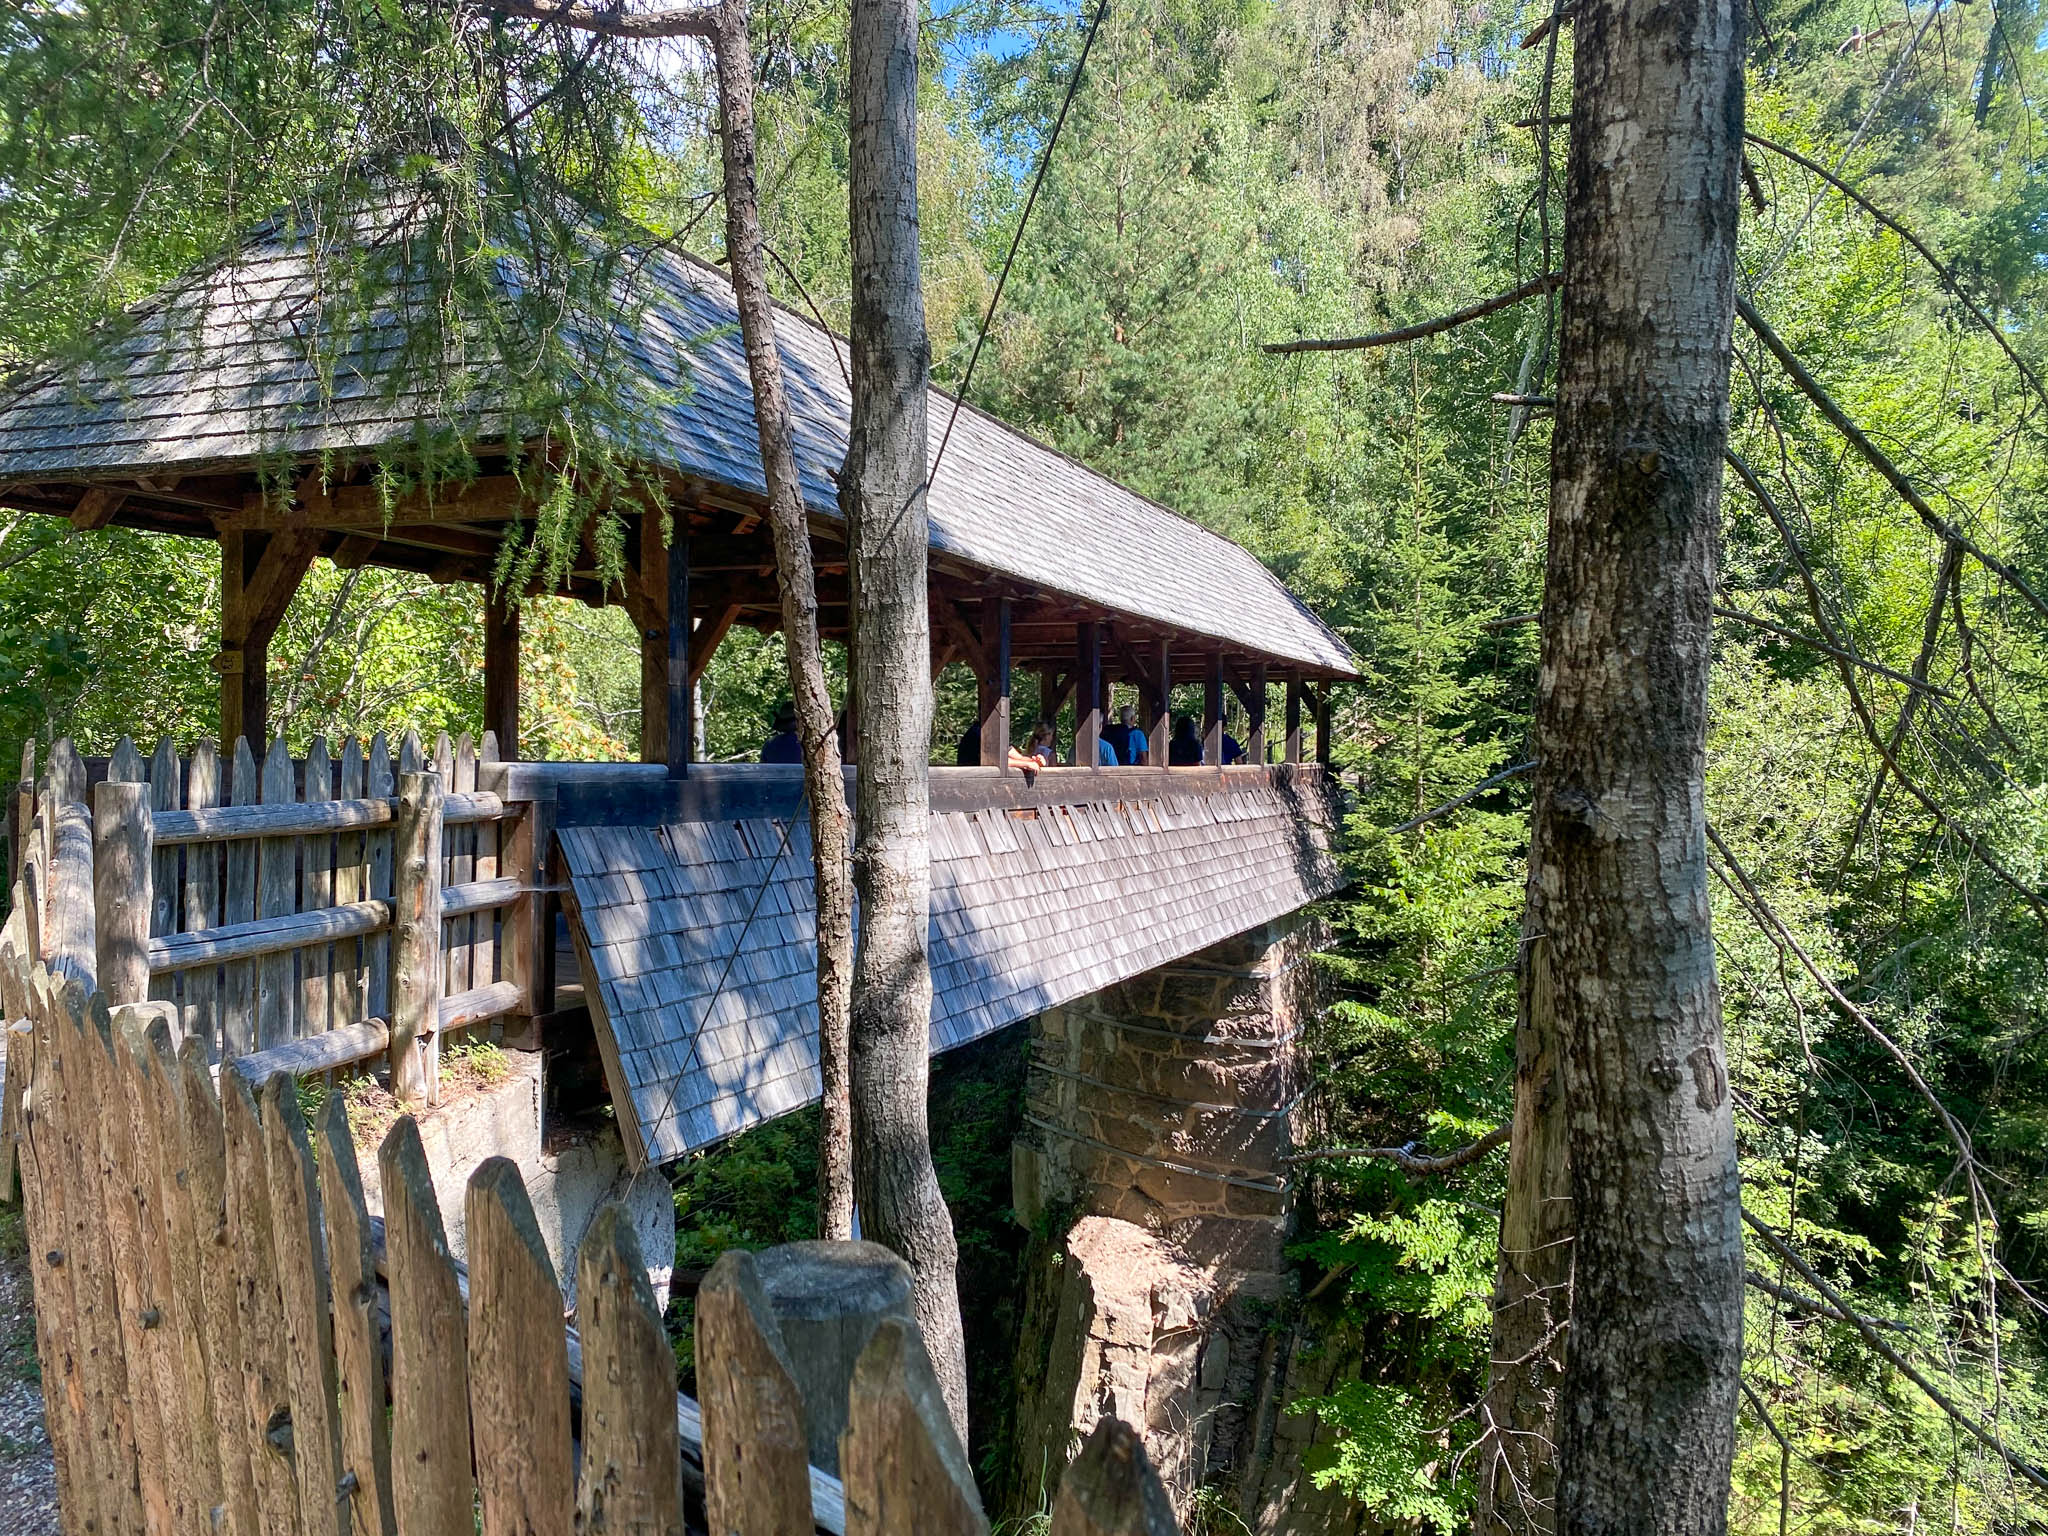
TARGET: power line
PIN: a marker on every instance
(1037, 181)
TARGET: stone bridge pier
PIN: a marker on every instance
(1159, 1115)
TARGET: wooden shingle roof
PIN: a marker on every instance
(698, 942)
(218, 372)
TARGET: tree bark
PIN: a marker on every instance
(883, 493)
(1515, 1460)
(1618, 872)
(824, 780)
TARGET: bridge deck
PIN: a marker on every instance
(695, 930)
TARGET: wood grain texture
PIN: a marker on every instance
(430, 1442)
(358, 1348)
(900, 1460)
(632, 1454)
(298, 1240)
(277, 895)
(200, 989)
(518, 1363)
(238, 981)
(416, 939)
(166, 793)
(1110, 1489)
(756, 1462)
(316, 893)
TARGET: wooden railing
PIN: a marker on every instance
(301, 915)
(230, 1344)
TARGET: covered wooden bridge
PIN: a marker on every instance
(215, 416)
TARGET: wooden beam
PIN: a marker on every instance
(993, 694)
(258, 574)
(647, 601)
(1088, 694)
(1212, 710)
(1159, 745)
(96, 508)
(950, 626)
(681, 707)
(355, 551)
(501, 669)
(1291, 752)
(487, 499)
(1324, 699)
(704, 643)
(1255, 712)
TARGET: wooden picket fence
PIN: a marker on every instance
(230, 1343)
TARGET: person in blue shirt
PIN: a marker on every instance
(1233, 750)
(1124, 736)
(783, 746)
(1105, 754)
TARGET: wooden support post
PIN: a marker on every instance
(1111, 1490)
(358, 1353)
(632, 1455)
(650, 610)
(1323, 703)
(1255, 734)
(756, 1458)
(681, 707)
(1292, 753)
(994, 678)
(123, 844)
(416, 944)
(1212, 711)
(1087, 693)
(259, 572)
(501, 668)
(902, 1464)
(1160, 745)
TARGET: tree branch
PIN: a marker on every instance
(1917, 685)
(1478, 311)
(1876, 456)
(616, 21)
(1842, 1310)
(1465, 799)
(1407, 1159)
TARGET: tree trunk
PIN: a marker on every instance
(1515, 1461)
(824, 782)
(883, 492)
(1618, 872)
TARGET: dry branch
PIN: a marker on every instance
(615, 21)
(1465, 799)
(1416, 332)
(1407, 1159)
(1918, 685)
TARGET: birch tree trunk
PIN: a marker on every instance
(1618, 872)
(824, 780)
(883, 492)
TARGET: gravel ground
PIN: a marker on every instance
(28, 1489)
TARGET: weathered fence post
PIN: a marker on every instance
(632, 1453)
(431, 1488)
(1111, 1490)
(308, 1322)
(829, 1298)
(900, 1460)
(123, 845)
(756, 1461)
(416, 944)
(358, 1352)
(518, 1363)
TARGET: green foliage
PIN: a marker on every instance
(1391, 1455)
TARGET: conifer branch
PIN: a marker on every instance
(616, 21)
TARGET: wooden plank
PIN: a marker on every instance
(518, 1364)
(166, 793)
(430, 1442)
(480, 896)
(328, 1051)
(358, 1348)
(378, 782)
(410, 758)
(124, 764)
(238, 982)
(259, 1307)
(458, 931)
(756, 1458)
(416, 939)
(1110, 1489)
(1087, 694)
(141, 1040)
(351, 881)
(519, 932)
(290, 820)
(199, 1120)
(277, 895)
(486, 840)
(501, 666)
(901, 1462)
(107, 1128)
(298, 1240)
(267, 936)
(316, 892)
(477, 1005)
(201, 989)
(1255, 715)
(123, 858)
(632, 1454)
(994, 681)
(1159, 746)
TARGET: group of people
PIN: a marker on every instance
(1121, 744)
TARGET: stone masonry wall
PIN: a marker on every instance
(1158, 1118)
